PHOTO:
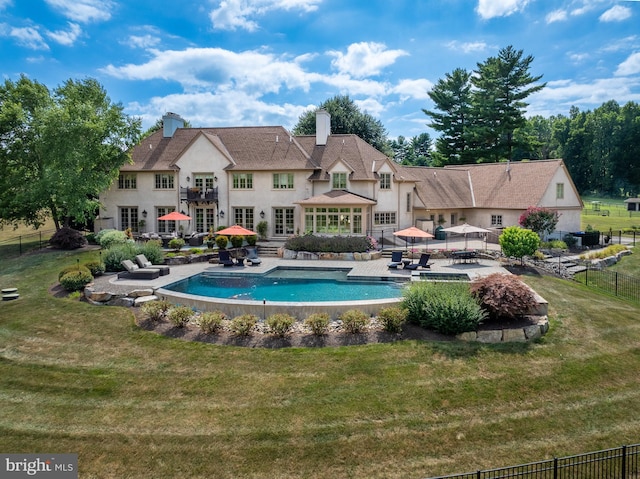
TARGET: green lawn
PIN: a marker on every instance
(83, 379)
(613, 215)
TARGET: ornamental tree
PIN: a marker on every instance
(539, 220)
(518, 242)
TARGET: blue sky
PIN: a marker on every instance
(264, 62)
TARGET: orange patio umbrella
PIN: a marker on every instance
(174, 216)
(413, 233)
(236, 230)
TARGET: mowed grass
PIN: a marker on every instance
(84, 379)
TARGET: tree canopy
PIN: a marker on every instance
(59, 149)
(346, 118)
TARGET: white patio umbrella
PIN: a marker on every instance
(465, 229)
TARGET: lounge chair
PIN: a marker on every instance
(134, 272)
(252, 257)
(143, 262)
(225, 258)
(396, 260)
(423, 262)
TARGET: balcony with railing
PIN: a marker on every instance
(197, 196)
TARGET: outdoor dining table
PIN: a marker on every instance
(464, 256)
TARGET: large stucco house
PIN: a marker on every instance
(322, 183)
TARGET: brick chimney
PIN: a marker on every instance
(323, 127)
(170, 123)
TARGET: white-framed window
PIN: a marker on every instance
(243, 181)
(204, 181)
(560, 191)
(496, 220)
(127, 181)
(283, 219)
(384, 218)
(338, 181)
(333, 220)
(283, 181)
(244, 217)
(164, 181)
(205, 219)
(385, 181)
(129, 218)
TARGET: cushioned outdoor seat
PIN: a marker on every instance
(423, 262)
(143, 262)
(252, 257)
(396, 260)
(134, 272)
(224, 258)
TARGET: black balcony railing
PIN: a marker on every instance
(196, 195)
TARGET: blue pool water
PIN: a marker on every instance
(292, 285)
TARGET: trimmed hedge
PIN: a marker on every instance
(328, 244)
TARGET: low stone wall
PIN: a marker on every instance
(608, 261)
(137, 297)
(307, 255)
(538, 328)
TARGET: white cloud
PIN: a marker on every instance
(234, 14)
(371, 106)
(578, 57)
(364, 59)
(467, 47)
(413, 89)
(28, 37)
(630, 66)
(616, 13)
(84, 11)
(556, 16)
(5, 3)
(499, 8)
(142, 41)
(66, 38)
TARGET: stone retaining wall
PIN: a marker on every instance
(307, 255)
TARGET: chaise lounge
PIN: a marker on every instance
(252, 257)
(143, 262)
(396, 260)
(423, 262)
(134, 272)
(224, 258)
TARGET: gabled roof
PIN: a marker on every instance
(248, 148)
(440, 188)
(354, 151)
(337, 197)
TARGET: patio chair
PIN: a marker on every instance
(224, 258)
(396, 260)
(423, 262)
(252, 257)
(134, 272)
(143, 262)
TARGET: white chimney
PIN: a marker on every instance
(323, 127)
(170, 123)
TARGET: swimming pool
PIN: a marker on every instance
(338, 295)
(288, 284)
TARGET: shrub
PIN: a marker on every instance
(570, 240)
(71, 269)
(280, 323)
(251, 240)
(318, 323)
(243, 324)
(221, 241)
(153, 251)
(155, 310)
(354, 321)
(518, 242)
(116, 254)
(109, 238)
(179, 315)
(91, 238)
(210, 322)
(236, 241)
(95, 267)
(196, 251)
(503, 295)
(67, 238)
(76, 280)
(448, 308)
(539, 220)
(176, 244)
(605, 253)
(262, 229)
(392, 318)
(328, 244)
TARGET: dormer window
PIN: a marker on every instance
(385, 181)
(339, 181)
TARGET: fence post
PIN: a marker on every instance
(616, 273)
(623, 473)
(555, 468)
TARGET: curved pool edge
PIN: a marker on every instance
(263, 309)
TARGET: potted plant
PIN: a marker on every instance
(210, 239)
(141, 225)
(262, 229)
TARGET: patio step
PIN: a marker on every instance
(268, 249)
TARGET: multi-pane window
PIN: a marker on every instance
(204, 181)
(338, 181)
(283, 221)
(129, 218)
(244, 217)
(560, 191)
(385, 181)
(164, 181)
(333, 220)
(243, 181)
(127, 181)
(283, 181)
(408, 202)
(164, 226)
(496, 220)
(384, 218)
(204, 219)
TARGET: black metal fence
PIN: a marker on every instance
(611, 282)
(21, 244)
(621, 463)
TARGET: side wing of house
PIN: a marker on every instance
(561, 195)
